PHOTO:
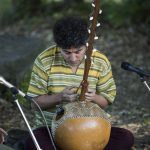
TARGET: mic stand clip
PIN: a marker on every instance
(145, 82)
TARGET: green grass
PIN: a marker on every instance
(5, 5)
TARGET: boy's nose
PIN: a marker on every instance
(73, 57)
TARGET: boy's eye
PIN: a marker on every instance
(67, 53)
(77, 52)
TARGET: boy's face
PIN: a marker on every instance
(74, 56)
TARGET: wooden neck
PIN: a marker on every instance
(84, 83)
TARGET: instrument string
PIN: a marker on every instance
(47, 127)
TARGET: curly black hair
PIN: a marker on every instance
(70, 32)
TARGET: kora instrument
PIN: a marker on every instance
(82, 125)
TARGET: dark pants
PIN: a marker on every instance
(120, 139)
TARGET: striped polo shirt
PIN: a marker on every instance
(51, 74)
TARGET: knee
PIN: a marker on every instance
(127, 137)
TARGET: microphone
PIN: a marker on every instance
(129, 67)
(13, 89)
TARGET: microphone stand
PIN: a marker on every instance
(144, 82)
(25, 119)
(16, 91)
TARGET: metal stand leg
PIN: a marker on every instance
(29, 128)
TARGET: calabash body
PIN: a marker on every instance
(84, 125)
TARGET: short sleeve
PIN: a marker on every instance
(38, 81)
(106, 84)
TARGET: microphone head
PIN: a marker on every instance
(125, 65)
(129, 67)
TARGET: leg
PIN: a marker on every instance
(120, 139)
(2, 134)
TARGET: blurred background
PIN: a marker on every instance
(124, 35)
